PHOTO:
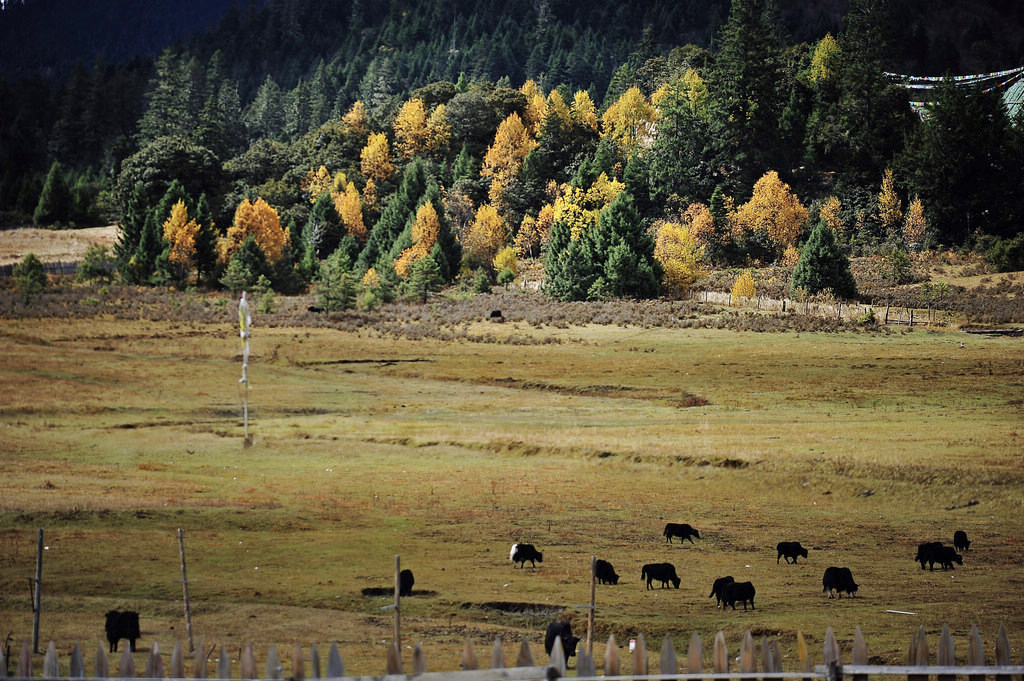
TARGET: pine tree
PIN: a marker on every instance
(337, 286)
(206, 242)
(424, 279)
(129, 233)
(823, 265)
(54, 206)
(394, 216)
(623, 252)
(30, 277)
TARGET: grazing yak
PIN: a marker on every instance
(405, 582)
(935, 552)
(836, 580)
(789, 549)
(521, 553)
(564, 630)
(661, 572)
(738, 591)
(122, 625)
(681, 530)
(960, 541)
(717, 587)
(605, 573)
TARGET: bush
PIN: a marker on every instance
(30, 277)
(96, 265)
(1006, 255)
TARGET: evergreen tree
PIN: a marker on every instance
(823, 265)
(30, 277)
(168, 100)
(54, 206)
(337, 287)
(424, 279)
(682, 167)
(206, 242)
(148, 252)
(622, 252)
(246, 266)
(395, 215)
(130, 228)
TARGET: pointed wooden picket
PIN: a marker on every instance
(919, 654)
(298, 663)
(557, 658)
(748, 654)
(25, 660)
(831, 648)
(860, 652)
(102, 668)
(272, 669)
(469, 659)
(497, 655)
(975, 649)
(419, 660)
(946, 654)
(667, 663)
(314, 661)
(640, 656)
(393, 659)
(1002, 652)
(612, 662)
(3, 665)
(223, 664)
(767, 655)
(803, 654)
(177, 670)
(585, 664)
(199, 663)
(126, 665)
(694, 655)
(525, 657)
(720, 658)
(335, 666)
(76, 668)
(51, 666)
(248, 662)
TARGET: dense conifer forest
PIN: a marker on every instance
(375, 150)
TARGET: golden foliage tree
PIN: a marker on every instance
(180, 232)
(504, 158)
(486, 235)
(259, 220)
(527, 242)
(556, 105)
(349, 208)
(824, 58)
(438, 131)
(356, 120)
(830, 214)
(536, 107)
(915, 225)
(744, 286)
(506, 260)
(695, 92)
(412, 135)
(426, 228)
(773, 212)
(602, 192)
(316, 182)
(681, 257)
(375, 158)
(370, 198)
(583, 111)
(630, 121)
(701, 224)
(890, 208)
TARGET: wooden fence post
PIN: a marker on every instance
(831, 648)
(126, 666)
(919, 654)
(593, 601)
(314, 661)
(51, 665)
(1002, 652)
(184, 586)
(497, 655)
(946, 654)
(25, 661)
(335, 666)
(76, 670)
(612, 663)
(667, 663)
(272, 668)
(720, 659)
(469, 659)
(802, 654)
(248, 662)
(102, 668)
(525, 657)
(748, 654)
(37, 594)
(419, 660)
(695, 655)
(860, 653)
(177, 670)
(557, 657)
(223, 664)
(298, 664)
(639, 655)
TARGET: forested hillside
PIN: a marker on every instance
(382, 149)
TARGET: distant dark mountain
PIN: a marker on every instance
(46, 37)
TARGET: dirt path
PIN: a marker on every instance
(53, 245)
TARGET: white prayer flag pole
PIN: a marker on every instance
(244, 328)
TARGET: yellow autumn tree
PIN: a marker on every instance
(504, 158)
(349, 208)
(824, 59)
(180, 232)
(830, 214)
(773, 213)
(356, 120)
(506, 260)
(890, 209)
(259, 220)
(426, 228)
(583, 111)
(915, 225)
(412, 136)
(370, 198)
(695, 92)
(681, 257)
(630, 121)
(375, 158)
(527, 242)
(316, 182)
(536, 107)
(486, 236)
(568, 208)
(601, 194)
(556, 105)
(439, 133)
(698, 220)
(743, 287)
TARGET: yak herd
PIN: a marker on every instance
(727, 591)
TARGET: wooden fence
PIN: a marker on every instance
(58, 267)
(755, 661)
(887, 314)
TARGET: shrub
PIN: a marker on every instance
(30, 277)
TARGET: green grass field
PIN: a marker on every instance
(115, 434)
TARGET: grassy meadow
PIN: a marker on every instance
(859, 445)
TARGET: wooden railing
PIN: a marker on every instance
(755, 661)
